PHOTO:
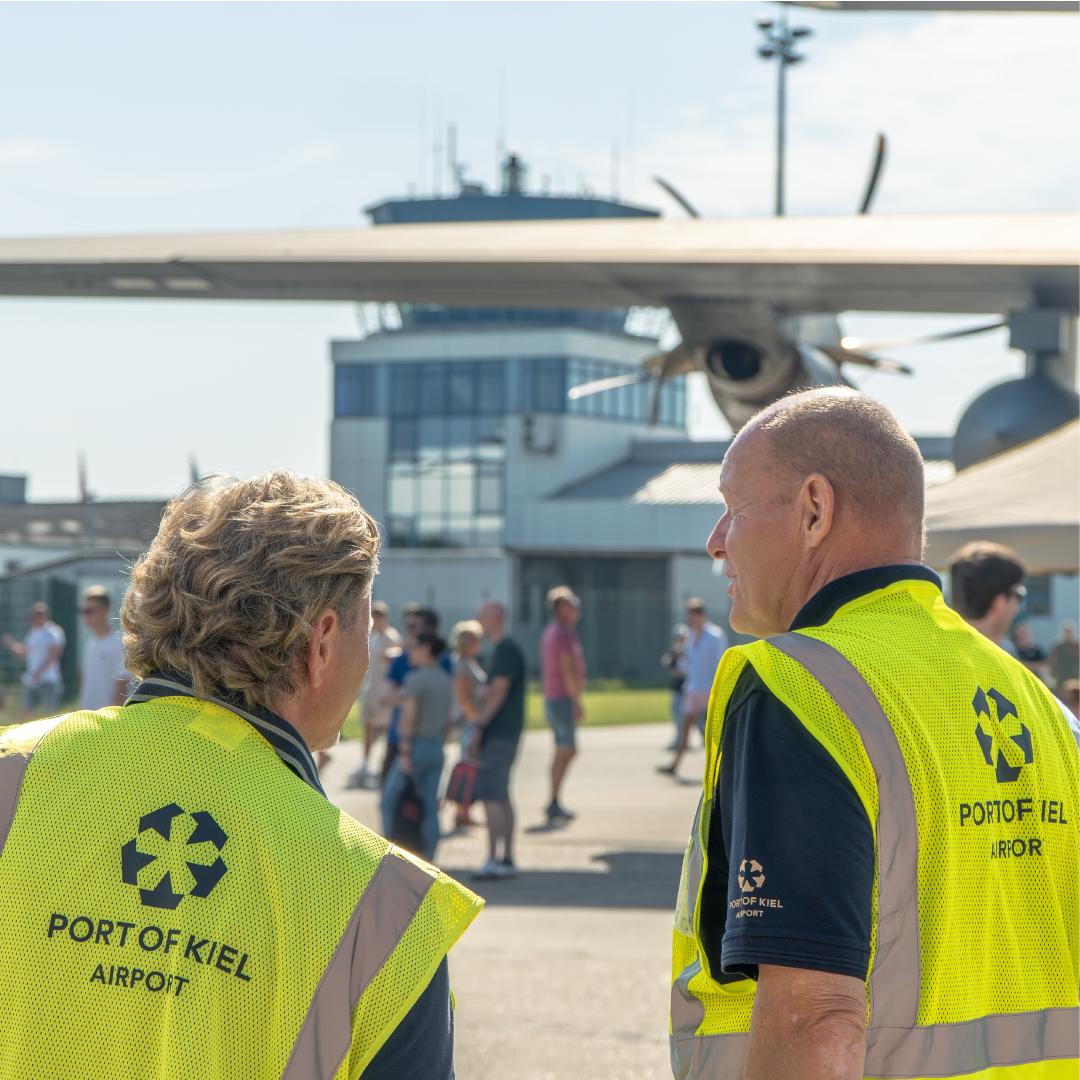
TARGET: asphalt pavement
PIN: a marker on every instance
(565, 975)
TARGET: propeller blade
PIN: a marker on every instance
(926, 339)
(847, 356)
(654, 401)
(875, 175)
(665, 365)
(677, 197)
(598, 386)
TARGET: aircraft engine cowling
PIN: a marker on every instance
(748, 356)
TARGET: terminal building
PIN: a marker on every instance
(454, 428)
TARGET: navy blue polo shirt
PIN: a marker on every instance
(788, 827)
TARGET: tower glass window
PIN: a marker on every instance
(446, 481)
(448, 432)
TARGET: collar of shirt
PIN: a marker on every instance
(287, 742)
(825, 603)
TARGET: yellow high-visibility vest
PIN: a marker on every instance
(177, 904)
(968, 772)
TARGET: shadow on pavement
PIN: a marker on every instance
(633, 879)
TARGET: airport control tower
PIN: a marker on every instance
(453, 427)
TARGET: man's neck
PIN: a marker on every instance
(989, 629)
(837, 565)
(103, 631)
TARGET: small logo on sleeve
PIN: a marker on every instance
(751, 875)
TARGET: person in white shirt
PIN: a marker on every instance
(103, 679)
(385, 644)
(42, 648)
(702, 650)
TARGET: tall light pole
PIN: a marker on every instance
(780, 43)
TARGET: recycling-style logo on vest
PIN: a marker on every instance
(1003, 771)
(751, 875)
(207, 831)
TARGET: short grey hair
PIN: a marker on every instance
(855, 443)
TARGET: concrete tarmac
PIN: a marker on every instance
(566, 974)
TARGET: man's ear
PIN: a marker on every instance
(319, 649)
(818, 506)
(996, 611)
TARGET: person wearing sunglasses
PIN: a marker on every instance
(103, 679)
(986, 588)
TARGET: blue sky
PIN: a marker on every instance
(129, 117)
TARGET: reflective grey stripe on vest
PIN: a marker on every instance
(695, 863)
(1008, 1039)
(13, 768)
(894, 980)
(12, 771)
(380, 919)
(687, 1013)
(895, 1045)
(991, 1041)
(715, 1057)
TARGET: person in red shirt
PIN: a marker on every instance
(562, 665)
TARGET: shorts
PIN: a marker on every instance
(560, 718)
(695, 703)
(372, 714)
(493, 776)
(43, 698)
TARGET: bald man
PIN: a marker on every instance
(845, 908)
(495, 739)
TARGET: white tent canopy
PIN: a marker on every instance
(1027, 498)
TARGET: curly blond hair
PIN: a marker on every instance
(240, 569)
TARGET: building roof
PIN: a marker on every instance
(1027, 498)
(685, 473)
(480, 206)
(81, 561)
(127, 526)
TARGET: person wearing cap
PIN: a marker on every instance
(562, 665)
(42, 648)
(103, 679)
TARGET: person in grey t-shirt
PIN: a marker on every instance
(425, 716)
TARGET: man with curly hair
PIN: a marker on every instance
(172, 873)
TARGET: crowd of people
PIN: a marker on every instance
(103, 679)
(422, 690)
(839, 730)
(987, 589)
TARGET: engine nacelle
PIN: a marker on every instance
(748, 355)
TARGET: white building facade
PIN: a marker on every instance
(490, 483)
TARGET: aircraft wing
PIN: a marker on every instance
(935, 262)
(1064, 6)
